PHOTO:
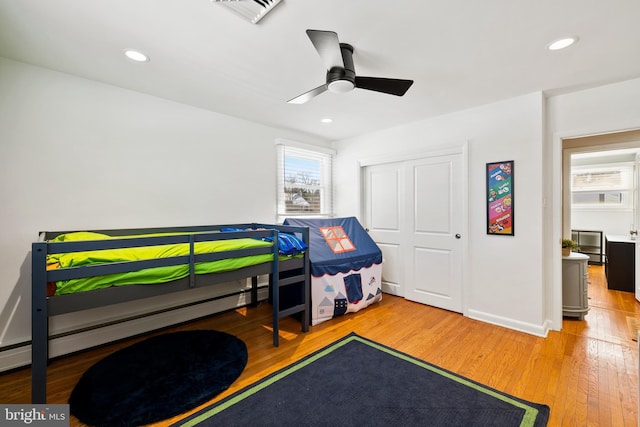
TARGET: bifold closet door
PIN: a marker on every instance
(414, 212)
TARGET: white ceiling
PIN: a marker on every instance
(460, 53)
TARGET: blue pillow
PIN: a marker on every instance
(288, 244)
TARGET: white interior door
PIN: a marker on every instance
(414, 212)
(383, 216)
(434, 267)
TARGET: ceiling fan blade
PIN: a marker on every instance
(328, 47)
(396, 87)
(301, 99)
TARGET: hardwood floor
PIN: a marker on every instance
(587, 373)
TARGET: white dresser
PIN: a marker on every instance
(575, 284)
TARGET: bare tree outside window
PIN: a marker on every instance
(302, 192)
(304, 183)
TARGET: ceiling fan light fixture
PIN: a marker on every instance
(562, 43)
(341, 86)
(341, 74)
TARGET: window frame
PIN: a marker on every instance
(625, 189)
(325, 155)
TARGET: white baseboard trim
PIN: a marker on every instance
(529, 328)
(21, 356)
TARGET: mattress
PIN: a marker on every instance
(148, 275)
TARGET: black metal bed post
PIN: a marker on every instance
(39, 323)
(275, 289)
(254, 291)
(307, 283)
(192, 261)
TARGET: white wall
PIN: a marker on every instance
(77, 154)
(525, 291)
(604, 109)
(609, 222)
(608, 108)
(504, 274)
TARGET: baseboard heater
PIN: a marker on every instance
(18, 355)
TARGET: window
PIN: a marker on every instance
(337, 239)
(606, 186)
(304, 181)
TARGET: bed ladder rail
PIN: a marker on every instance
(298, 308)
(298, 279)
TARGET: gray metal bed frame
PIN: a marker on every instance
(282, 273)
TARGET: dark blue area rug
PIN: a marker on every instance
(158, 378)
(356, 382)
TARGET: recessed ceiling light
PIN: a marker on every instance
(136, 55)
(326, 120)
(562, 43)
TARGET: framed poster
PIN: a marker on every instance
(500, 198)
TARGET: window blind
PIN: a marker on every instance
(305, 182)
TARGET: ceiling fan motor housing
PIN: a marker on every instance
(342, 80)
(341, 73)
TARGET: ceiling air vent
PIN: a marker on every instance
(253, 10)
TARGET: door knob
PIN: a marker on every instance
(458, 236)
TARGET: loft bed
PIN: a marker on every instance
(116, 265)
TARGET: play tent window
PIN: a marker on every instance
(337, 239)
(304, 181)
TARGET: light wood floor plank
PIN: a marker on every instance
(587, 373)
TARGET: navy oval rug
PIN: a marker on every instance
(158, 378)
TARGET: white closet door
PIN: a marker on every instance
(434, 267)
(384, 202)
(414, 212)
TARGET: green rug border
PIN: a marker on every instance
(528, 420)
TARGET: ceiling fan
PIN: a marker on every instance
(341, 74)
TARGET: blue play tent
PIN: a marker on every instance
(346, 266)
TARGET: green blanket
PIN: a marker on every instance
(148, 275)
